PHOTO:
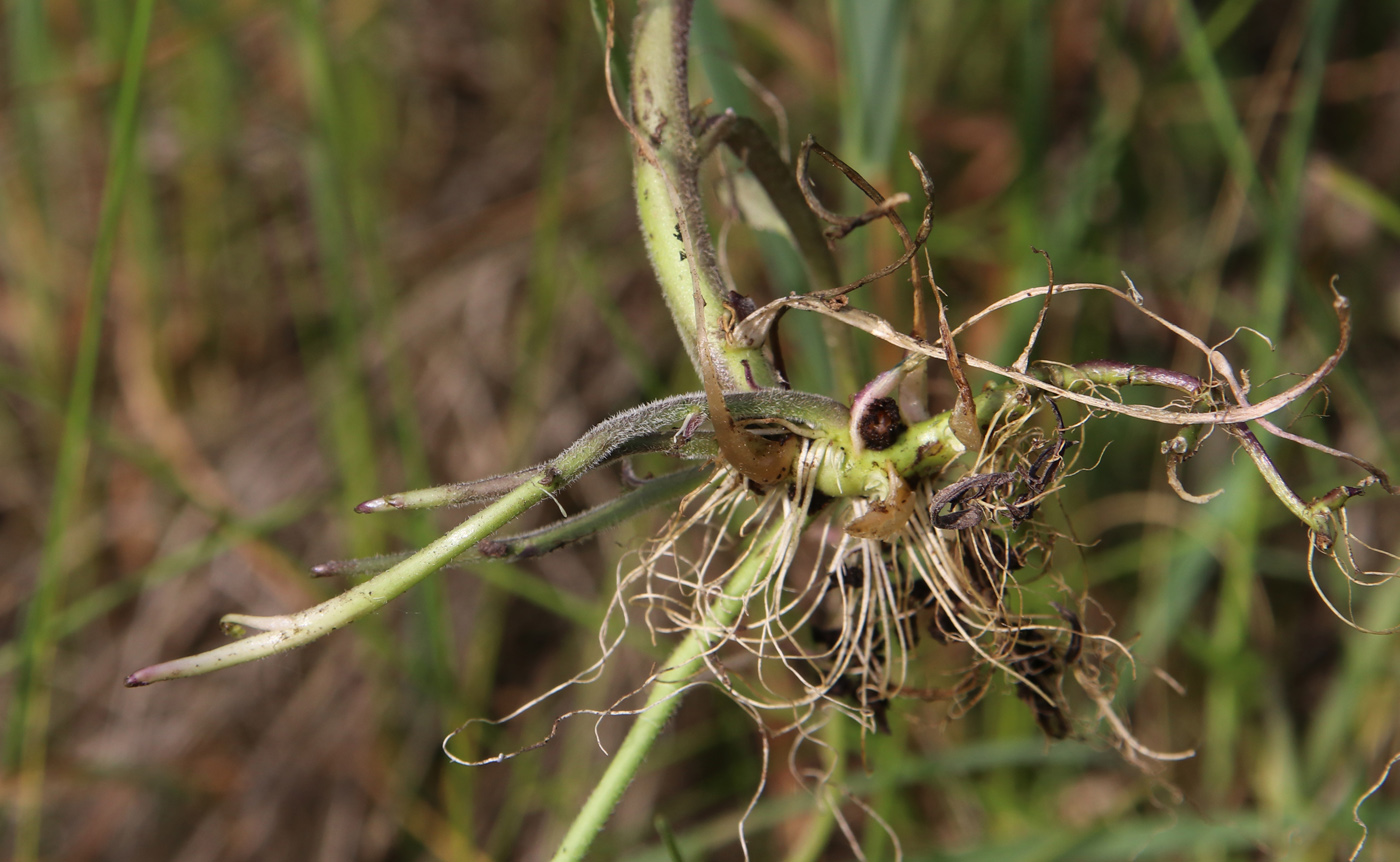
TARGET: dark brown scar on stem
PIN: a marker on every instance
(660, 127)
(881, 424)
(927, 450)
(493, 549)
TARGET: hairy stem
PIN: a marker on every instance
(666, 164)
(658, 426)
(543, 540)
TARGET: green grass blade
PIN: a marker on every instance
(1200, 62)
(1281, 250)
(31, 64)
(1361, 194)
(26, 741)
(711, 44)
(1226, 18)
(873, 46)
(619, 63)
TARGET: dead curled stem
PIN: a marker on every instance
(884, 208)
(753, 329)
(964, 418)
(1319, 543)
(1233, 419)
(747, 141)
(1356, 809)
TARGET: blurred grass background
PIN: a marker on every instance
(362, 246)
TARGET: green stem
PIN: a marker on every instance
(282, 633)
(543, 540)
(665, 696)
(653, 427)
(294, 630)
(666, 163)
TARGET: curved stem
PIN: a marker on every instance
(665, 696)
(658, 426)
(666, 162)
